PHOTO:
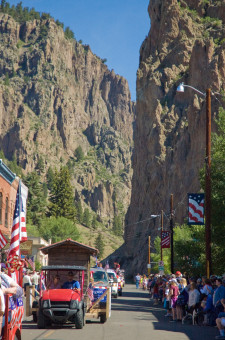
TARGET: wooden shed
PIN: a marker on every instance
(70, 252)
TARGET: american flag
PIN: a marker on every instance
(31, 263)
(19, 232)
(90, 292)
(196, 209)
(165, 239)
(3, 241)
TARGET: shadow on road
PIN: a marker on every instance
(138, 301)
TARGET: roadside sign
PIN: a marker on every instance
(149, 265)
(161, 264)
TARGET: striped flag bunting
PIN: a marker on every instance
(196, 209)
(165, 239)
(3, 240)
(19, 232)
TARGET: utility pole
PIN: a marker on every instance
(171, 230)
(208, 185)
(161, 234)
(149, 254)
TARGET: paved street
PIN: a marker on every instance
(133, 317)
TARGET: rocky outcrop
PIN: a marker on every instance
(56, 95)
(185, 44)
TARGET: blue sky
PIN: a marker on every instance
(114, 29)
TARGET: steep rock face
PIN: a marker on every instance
(56, 95)
(185, 44)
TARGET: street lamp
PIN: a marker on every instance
(207, 95)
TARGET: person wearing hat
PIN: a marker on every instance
(71, 284)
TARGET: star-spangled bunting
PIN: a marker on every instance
(165, 239)
(19, 232)
(3, 240)
(196, 209)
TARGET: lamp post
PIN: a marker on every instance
(207, 95)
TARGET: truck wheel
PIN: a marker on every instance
(103, 318)
(41, 322)
(35, 317)
(79, 319)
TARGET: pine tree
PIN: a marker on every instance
(94, 222)
(40, 165)
(36, 201)
(79, 212)
(61, 196)
(117, 226)
(79, 154)
(50, 178)
(86, 218)
(99, 244)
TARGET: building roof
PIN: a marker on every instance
(6, 173)
(69, 241)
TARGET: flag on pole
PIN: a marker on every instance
(165, 239)
(3, 240)
(31, 263)
(196, 209)
(19, 232)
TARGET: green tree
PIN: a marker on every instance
(68, 33)
(87, 218)
(94, 222)
(189, 254)
(58, 229)
(40, 165)
(79, 154)
(79, 212)
(36, 202)
(218, 193)
(61, 196)
(50, 178)
(117, 226)
(6, 81)
(99, 244)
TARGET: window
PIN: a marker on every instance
(0, 207)
(6, 211)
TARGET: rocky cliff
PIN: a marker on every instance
(56, 96)
(185, 44)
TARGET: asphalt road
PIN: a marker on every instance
(133, 318)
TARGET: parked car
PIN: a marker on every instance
(113, 282)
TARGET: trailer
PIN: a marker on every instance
(64, 256)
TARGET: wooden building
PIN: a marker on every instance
(69, 252)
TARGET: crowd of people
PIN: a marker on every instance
(184, 298)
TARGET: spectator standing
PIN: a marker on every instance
(35, 281)
(182, 299)
(26, 282)
(193, 298)
(174, 292)
(207, 286)
(137, 280)
(219, 294)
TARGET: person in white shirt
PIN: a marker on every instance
(26, 282)
(194, 297)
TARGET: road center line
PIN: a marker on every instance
(49, 333)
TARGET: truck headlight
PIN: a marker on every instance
(46, 304)
(73, 304)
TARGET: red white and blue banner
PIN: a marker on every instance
(196, 209)
(19, 232)
(165, 239)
